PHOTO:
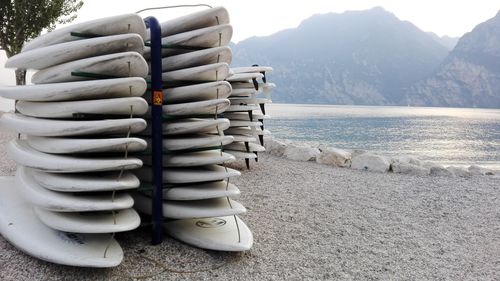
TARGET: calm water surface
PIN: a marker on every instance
(451, 136)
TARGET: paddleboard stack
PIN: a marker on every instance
(70, 195)
(250, 93)
(198, 192)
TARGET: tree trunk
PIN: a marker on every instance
(20, 76)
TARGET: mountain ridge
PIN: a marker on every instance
(447, 41)
(470, 74)
(372, 58)
(358, 57)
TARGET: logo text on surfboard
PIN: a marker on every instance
(210, 223)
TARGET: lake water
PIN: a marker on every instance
(450, 136)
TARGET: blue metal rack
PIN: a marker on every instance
(156, 129)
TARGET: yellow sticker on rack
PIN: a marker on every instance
(157, 97)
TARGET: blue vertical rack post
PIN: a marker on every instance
(156, 129)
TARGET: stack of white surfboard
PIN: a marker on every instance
(73, 169)
(250, 93)
(197, 197)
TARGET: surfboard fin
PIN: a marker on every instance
(255, 84)
(261, 140)
(263, 108)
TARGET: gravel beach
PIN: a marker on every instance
(317, 222)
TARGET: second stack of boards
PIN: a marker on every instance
(247, 111)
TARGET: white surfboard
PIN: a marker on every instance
(67, 109)
(20, 226)
(90, 222)
(245, 116)
(209, 37)
(242, 108)
(241, 154)
(238, 146)
(201, 191)
(192, 126)
(189, 175)
(204, 73)
(252, 131)
(265, 88)
(94, 89)
(243, 77)
(59, 128)
(191, 159)
(44, 57)
(250, 100)
(126, 64)
(244, 138)
(194, 142)
(220, 233)
(85, 182)
(85, 145)
(19, 151)
(67, 202)
(197, 108)
(242, 123)
(197, 20)
(245, 92)
(254, 95)
(191, 209)
(196, 92)
(250, 69)
(197, 58)
(121, 24)
(246, 85)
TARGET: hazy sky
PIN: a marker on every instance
(264, 17)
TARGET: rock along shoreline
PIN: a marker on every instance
(368, 161)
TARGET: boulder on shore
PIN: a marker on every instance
(370, 162)
(275, 147)
(459, 171)
(334, 156)
(301, 153)
(408, 165)
(357, 152)
(409, 169)
(480, 171)
(440, 171)
(406, 159)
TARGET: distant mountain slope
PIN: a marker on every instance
(358, 57)
(470, 75)
(447, 41)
